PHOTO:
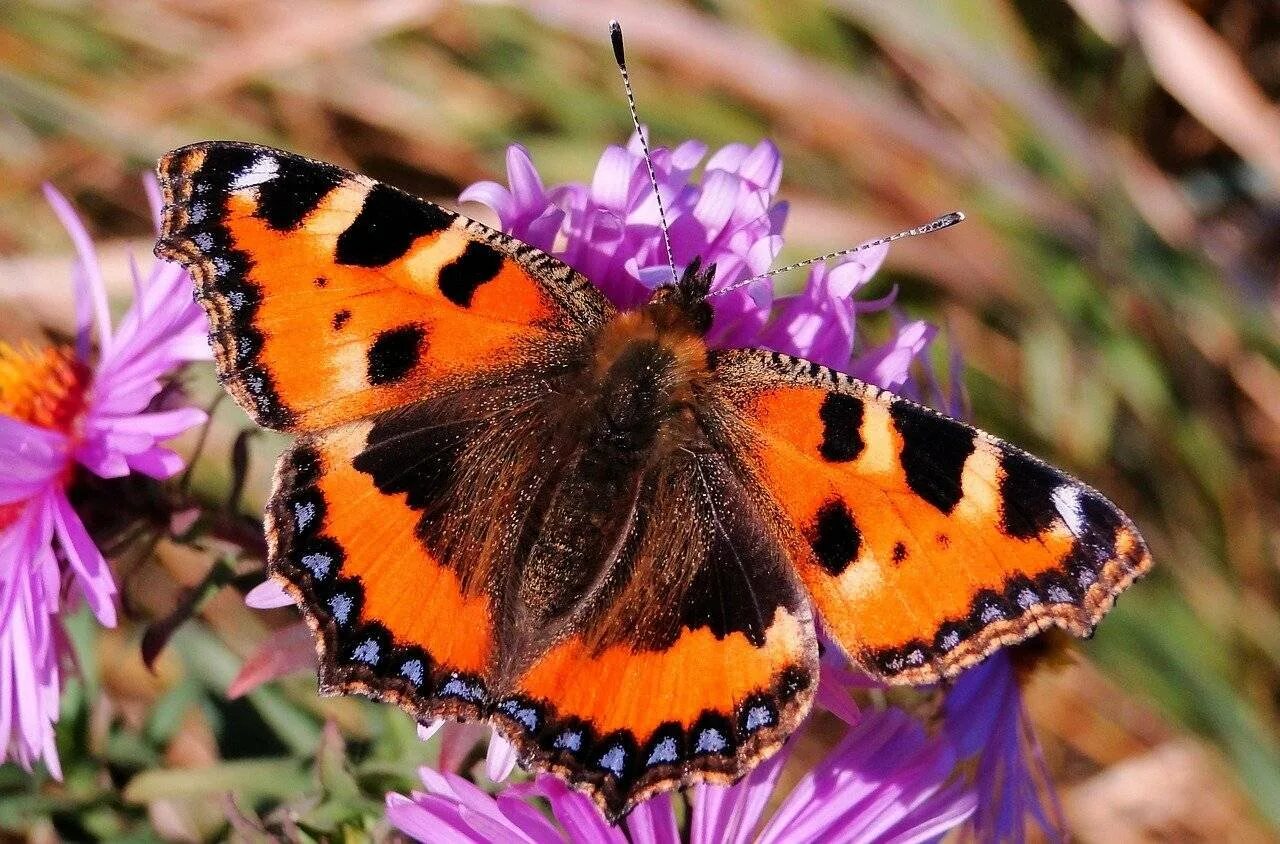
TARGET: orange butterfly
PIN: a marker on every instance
(510, 502)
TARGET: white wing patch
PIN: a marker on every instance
(1066, 499)
(263, 169)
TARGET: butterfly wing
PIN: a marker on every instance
(332, 296)
(396, 534)
(924, 544)
(692, 663)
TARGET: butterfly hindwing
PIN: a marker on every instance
(395, 534)
(924, 543)
(693, 664)
(412, 538)
(332, 296)
(391, 618)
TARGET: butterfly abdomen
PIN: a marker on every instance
(626, 413)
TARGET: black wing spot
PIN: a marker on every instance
(1026, 494)
(841, 417)
(835, 537)
(899, 553)
(340, 319)
(387, 225)
(478, 264)
(934, 451)
(395, 353)
(297, 188)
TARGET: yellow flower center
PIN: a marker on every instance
(43, 387)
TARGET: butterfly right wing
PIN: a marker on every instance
(332, 296)
(924, 544)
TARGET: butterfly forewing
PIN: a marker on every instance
(332, 296)
(924, 543)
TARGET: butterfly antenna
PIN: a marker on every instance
(945, 221)
(615, 35)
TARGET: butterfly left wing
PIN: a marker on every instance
(925, 544)
(332, 296)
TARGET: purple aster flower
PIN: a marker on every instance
(985, 716)
(884, 781)
(63, 407)
(722, 212)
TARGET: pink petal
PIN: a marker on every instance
(522, 176)
(529, 819)
(155, 201)
(92, 573)
(456, 744)
(720, 193)
(728, 158)
(89, 284)
(712, 808)
(577, 814)
(654, 822)
(500, 759)
(160, 425)
(286, 651)
(612, 182)
(156, 462)
(30, 459)
(495, 196)
(268, 595)
(429, 820)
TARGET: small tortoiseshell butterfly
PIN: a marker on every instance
(510, 502)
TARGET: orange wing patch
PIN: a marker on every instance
(924, 543)
(693, 662)
(332, 296)
(628, 722)
(390, 620)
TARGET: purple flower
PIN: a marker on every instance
(985, 717)
(726, 215)
(60, 407)
(884, 781)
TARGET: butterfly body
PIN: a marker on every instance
(510, 502)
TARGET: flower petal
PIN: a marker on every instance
(268, 595)
(653, 822)
(286, 651)
(500, 758)
(576, 813)
(92, 573)
(31, 459)
(430, 819)
(89, 285)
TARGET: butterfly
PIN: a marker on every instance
(509, 502)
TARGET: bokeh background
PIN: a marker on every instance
(1115, 295)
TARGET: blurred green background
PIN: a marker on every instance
(1114, 295)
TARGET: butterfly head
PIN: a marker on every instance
(685, 303)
